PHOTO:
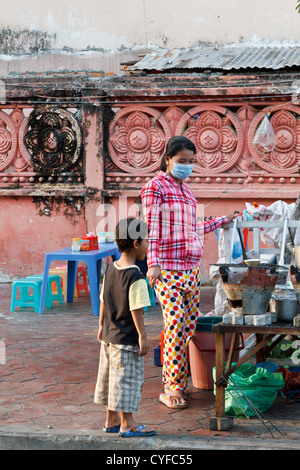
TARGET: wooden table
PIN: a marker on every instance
(264, 335)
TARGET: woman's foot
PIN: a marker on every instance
(181, 394)
(173, 400)
(177, 400)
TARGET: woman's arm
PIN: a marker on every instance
(152, 200)
(213, 224)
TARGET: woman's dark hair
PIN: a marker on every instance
(175, 145)
(129, 230)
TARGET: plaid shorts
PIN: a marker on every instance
(120, 379)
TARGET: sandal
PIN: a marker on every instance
(165, 399)
(137, 432)
(113, 429)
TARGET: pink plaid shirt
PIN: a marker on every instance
(175, 237)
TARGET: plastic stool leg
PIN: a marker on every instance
(58, 295)
(37, 297)
(48, 299)
(63, 275)
(84, 286)
(13, 297)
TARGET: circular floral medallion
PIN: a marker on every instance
(286, 154)
(50, 140)
(218, 137)
(138, 137)
(8, 141)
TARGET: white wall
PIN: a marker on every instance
(110, 24)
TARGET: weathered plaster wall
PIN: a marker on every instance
(38, 225)
(108, 25)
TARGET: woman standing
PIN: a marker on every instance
(173, 257)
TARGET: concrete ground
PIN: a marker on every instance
(47, 381)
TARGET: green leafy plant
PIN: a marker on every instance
(298, 6)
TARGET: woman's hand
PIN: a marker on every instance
(153, 274)
(231, 217)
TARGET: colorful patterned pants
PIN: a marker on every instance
(179, 297)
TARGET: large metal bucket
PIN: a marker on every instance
(286, 307)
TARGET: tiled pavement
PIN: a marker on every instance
(48, 379)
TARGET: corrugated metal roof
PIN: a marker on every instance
(225, 58)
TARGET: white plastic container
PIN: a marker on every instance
(101, 237)
(110, 237)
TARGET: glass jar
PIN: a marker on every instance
(76, 245)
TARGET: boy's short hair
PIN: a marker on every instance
(128, 230)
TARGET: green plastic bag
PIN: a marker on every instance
(257, 383)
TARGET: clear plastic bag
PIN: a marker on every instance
(265, 139)
(236, 247)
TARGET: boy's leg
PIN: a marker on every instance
(101, 389)
(112, 418)
(126, 380)
(102, 386)
(127, 421)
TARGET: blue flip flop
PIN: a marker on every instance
(137, 432)
(114, 429)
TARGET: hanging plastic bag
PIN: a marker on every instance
(265, 139)
(236, 247)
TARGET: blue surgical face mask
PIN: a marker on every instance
(182, 171)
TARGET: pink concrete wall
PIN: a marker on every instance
(26, 234)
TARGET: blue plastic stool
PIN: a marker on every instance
(25, 299)
(50, 296)
(33, 300)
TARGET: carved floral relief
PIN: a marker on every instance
(8, 141)
(217, 135)
(50, 140)
(285, 156)
(223, 139)
(36, 145)
(138, 135)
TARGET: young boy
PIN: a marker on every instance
(122, 332)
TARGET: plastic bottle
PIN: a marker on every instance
(76, 244)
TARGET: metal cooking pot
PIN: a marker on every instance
(286, 307)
